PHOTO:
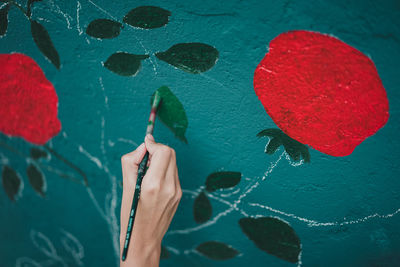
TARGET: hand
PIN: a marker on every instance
(159, 199)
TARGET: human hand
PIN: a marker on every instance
(159, 199)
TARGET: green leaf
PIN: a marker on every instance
(293, 148)
(274, 236)
(270, 133)
(273, 145)
(172, 113)
(164, 253)
(11, 182)
(36, 179)
(124, 64)
(4, 19)
(218, 180)
(216, 250)
(147, 17)
(104, 28)
(202, 209)
(29, 7)
(37, 153)
(190, 57)
(44, 43)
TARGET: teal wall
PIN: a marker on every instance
(104, 115)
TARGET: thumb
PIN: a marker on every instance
(151, 145)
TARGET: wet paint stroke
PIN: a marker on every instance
(172, 113)
(29, 103)
(321, 91)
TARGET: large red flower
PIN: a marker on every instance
(28, 101)
(321, 91)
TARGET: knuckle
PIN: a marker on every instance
(165, 150)
(179, 194)
(125, 159)
(151, 189)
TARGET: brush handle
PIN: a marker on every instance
(136, 196)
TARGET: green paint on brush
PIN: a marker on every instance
(172, 113)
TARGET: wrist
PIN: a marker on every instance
(143, 255)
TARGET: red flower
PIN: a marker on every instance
(321, 91)
(28, 101)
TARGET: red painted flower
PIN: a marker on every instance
(321, 91)
(28, 101)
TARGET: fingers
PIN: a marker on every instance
(130, 163)
(160, 157)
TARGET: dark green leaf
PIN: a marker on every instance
(293, 148)
(29, 7)
(37, 153)
(190, 57)
(172, 113)
(305, 154)
(274, 236)
(44, 43)
(36, 179)
(273, 145)
(202, 209)
(11, 182)
(218, 180)
(124, 64)
(217, 250)
(147, 17)
(4, 19)
(164, 253)
(270, 133)
(104, 28)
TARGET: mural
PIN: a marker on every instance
(72, 102)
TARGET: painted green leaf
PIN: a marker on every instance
(172, 113)
(225, 179)
(216, 250)
(29, 7)
(202, 209)
(4, 19)
(293, 148)
(44, 43)
(274, 236)
(147, 17)
(104, 28)
(36, 179)
(11, 182)
(190, 57)
(164, 253)
(124, 64)
(37, 153)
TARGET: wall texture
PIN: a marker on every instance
(60, 203)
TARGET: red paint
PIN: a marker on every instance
(28, 101)
(321, 91)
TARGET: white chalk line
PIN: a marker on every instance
(314, 223)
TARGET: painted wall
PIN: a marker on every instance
(344, 210)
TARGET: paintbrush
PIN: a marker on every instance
(141, 172)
